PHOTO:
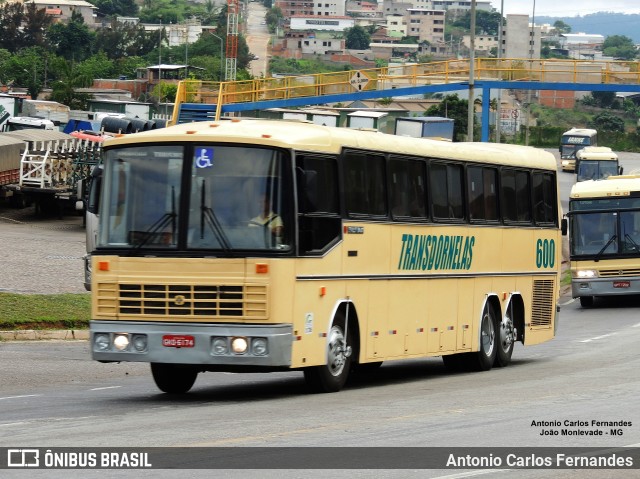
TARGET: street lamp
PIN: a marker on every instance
(221, 59)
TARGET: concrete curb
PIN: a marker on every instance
(44, 334)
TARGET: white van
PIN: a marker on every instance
(16, 123)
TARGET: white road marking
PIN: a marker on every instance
(19, 397)
(107, 387)
(597, 337)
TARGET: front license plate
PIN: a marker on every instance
(621, 284)
(178, 341)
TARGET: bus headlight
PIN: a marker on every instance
(121, 342)
(139, 342)
(239, 345)
(585, 273)
(219, 346)
(259, 346)
(101, 342)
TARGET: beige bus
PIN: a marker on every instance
(257, 245)
(596, 163)
(604, 238)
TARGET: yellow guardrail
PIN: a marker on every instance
(387, 78)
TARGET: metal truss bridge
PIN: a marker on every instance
(205, 101)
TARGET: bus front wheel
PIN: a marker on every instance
(172, 378)
(331, 377)
(586, 301)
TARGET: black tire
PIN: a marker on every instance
(456, 362)
(366, 368)
(331, 377)
(173, 378)
(586, 301)
(483, 360)
(506, 335)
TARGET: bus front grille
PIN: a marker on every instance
(542, 308)
(610, 273)
(237, 301)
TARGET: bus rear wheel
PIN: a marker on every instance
(331, 377)
(173, 378)
(483, 360)
(506, 338)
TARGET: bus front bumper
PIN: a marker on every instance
(605, 287)
(231, 345)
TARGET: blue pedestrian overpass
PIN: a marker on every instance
(206, 101)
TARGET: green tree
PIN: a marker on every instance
(64, 89)
(604, 99)
(452, 107)
(125, 39)
(35, 25)
(73, 40)
(619, 47)
(125, 8)
(273, 17)
(561, 27)
(487, 23)
(357, 38)
(11, 34)
(608, 122)
(97, 66)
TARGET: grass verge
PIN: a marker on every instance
(44, 311)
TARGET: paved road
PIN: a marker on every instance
(589, 372)
(40, 255)
(258, 39)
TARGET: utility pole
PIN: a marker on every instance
(472, 60)
(499, 99)
(531, 44)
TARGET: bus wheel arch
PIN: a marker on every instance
(342, 343)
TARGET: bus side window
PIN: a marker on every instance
(319, 221)
(482, 185)
(516, 196)
(407, 181)
(447, 193)
(544, 206)
(365, 184)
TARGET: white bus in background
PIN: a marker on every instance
(571, 142)
(16, 123)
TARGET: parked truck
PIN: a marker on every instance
(10, 153)
(433, 127)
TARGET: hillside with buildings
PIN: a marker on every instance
(603, 23)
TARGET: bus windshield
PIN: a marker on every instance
(231, 199)
(596, 169)
(602, 228)
(570, 144)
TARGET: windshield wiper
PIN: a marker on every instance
(208, 216)
(628, 238)
(162, 222)
(606, 245)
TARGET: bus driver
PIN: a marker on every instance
(268, 219)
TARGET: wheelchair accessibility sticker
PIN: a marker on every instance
(203, 157)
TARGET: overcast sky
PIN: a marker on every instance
(567, 8)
